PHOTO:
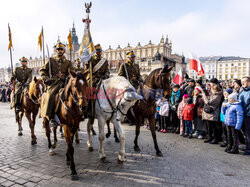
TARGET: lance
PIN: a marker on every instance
(49, 62)
(43, 48)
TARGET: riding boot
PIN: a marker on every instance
(52, 121)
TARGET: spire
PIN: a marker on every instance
(166, 41)
(73, 35)
(162, 39)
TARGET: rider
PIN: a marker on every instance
(23, 75)
(130, 70)
(100, 71)
(54, 74)
(78, 68)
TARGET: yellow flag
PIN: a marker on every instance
(10, 39)
(40, 40)
(87, 42)
(70, 42)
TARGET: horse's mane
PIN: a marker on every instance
(151, 74)
(32, 88)
(117, 82)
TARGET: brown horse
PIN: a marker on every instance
(30, 106)
(146, 108)
(73, 103)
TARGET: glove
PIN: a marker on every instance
(26, 84)
(48, 82)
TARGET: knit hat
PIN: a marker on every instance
(238, 82)
(198, 88)
(185, 96)
(233, 96)
(191, 80)
(176, 86)
(199, 81)
(229, 90)
(189, 100)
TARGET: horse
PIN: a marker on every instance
(30, 105)
(146, 108)
(115, 96)
(72, 105)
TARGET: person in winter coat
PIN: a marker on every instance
(157, 115)
(245, 99)
(188, 114)
(199, 125)
(236, 86)
(190, 88)
(174, 101)
(226, 93)
(164, 113)
(233, 119)
(211, 112)
(180, 109)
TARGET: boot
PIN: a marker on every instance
(228, 148)
(208, 140)
(214, 141)
(52, 123)
(234, 151)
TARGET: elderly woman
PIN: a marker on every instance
(211, 113)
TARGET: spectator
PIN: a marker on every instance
(236, 85)
(187, 115)
(199, 125)
(164, 113)
(226, 93)
(174, 101)
(180, 109)
(157, 115)
(245, 99)
(211, 112)
(233, 119)
(190, 88)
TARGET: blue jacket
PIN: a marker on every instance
(222, 116)
(233, 114)
(245, 99)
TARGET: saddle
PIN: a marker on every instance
(59, 96)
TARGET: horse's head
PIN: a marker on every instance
(77, 89)
(36, 88)
(163, 80)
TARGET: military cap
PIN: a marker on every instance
(23, 59)
(130, 54)
(78, 60)
(60, 45)
(98, 48)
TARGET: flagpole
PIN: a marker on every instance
(11, 60)
(43, 48)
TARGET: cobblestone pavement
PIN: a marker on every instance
(185, 163)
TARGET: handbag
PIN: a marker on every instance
(208, 109)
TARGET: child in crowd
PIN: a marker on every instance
(164, 113)
(187, 115)
(233, 119)
(157, 115)
(180, 109)
(226, 93)
(174, 101)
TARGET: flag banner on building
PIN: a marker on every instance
(40, 40)
(10, 39)
(69, 40)
(87, 48)
(195, 64)
(178, 78)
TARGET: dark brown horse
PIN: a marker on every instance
(30, 106)
(146, 108)
(73, 103)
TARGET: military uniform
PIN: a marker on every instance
(60, 68)
(77, 68)
(23, 75)
(133, 71)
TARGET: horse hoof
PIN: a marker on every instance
(107, 135)
(77, 141)
(103, 160)
(159, 154)
(74, 177)
(93, 133)
(20, 134)
(137, 149)
(68, 163)
(120, 162)
(117, 140)
(51, 152)
(54, 146)
(33, 142)
(91, 149)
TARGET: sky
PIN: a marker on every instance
(205, 28)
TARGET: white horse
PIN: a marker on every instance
(115, 96)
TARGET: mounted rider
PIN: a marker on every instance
(54, 74)
(100, 71)
(23, 75)
(78, 68)
(130, 70)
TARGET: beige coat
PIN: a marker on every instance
(214, 101)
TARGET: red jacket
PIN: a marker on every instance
(188, 112)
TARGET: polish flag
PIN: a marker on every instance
(178, 78)
(195, 64)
